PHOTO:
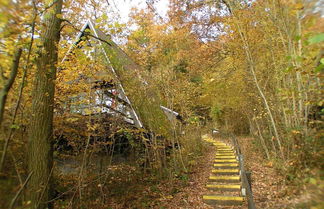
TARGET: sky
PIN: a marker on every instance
(123, 7)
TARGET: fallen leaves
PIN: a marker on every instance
(269, 187)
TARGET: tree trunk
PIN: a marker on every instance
(40, 154)
(264, 146)
(3, 97)
(268, 110)
(4, 91)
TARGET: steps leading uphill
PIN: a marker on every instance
(225, 183)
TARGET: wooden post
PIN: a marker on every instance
(248, 176)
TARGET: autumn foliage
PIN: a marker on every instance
(251, 68)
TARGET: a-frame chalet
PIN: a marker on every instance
(124, 108)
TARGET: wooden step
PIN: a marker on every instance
(224, 149)
(218, 148)
(225, 161)
(225, 171)
(223, 146)
(222, 200)
(224, 187)
(226, 165)
(228, 153)
(219, 144)
(217, 153)
(235, 178)
(225, 157)
(225, 154)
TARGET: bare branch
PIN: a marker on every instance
(13, 201)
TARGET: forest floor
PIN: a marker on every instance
(269, 188)
(272, 190)
(123, 186)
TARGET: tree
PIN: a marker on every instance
(40, 154)
(4, 91)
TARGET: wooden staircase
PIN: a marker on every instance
(225, 183)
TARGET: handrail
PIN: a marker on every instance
(245, 175)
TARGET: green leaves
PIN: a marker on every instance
(310, 180)
(320, 67)
(15, 126)
(316, 39)
(59, 16)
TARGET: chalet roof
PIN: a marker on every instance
(107, 45)
(104, 40)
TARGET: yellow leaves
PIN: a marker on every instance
(298, 6)
(192, 162)
(269, 164)
(72, 119)
(59, 16)
(317, 207)
(307, 103)
(169, 197)
(92, 127)
(145, 139)
(3, 19)
(296, 132)
(4, 2)
(27, 203)
(312, 181)
(104, 17)
(87, 111)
